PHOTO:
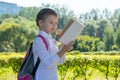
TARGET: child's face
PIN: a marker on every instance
(49, 25)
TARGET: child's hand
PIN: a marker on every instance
(65, 48)
(58, 33)
(68, 47)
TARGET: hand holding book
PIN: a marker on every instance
(70, 32)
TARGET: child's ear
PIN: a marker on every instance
(40, 22)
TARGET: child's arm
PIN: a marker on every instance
(64, 49)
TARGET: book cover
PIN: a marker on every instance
(70, 31)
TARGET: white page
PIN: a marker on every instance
(72, 32)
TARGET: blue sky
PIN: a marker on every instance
(78, 6)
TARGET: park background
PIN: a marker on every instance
(95, 54)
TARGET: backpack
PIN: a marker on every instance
(27, 69)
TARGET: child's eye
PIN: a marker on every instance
(56, 23)
(51, 22)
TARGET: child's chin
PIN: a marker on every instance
(54, 30)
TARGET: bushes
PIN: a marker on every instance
(16, 35)
(15, 63)
(11, 60)
(85, 65)
(87, 43)
(76, 67)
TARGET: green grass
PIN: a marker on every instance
(7, 74)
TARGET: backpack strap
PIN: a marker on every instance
(46, 45)
(36, 66)
(38, 60)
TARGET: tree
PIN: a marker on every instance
(89, 29)
(115, 20)
(16, 34)
(108, 38)
(65, 14)
(106, 14)
(82, 18)
(29, 12)
(4, 16)
(102, 24)
(118, 22)
(95, 14)
(7, 33)
(87, 43)
(118, 37)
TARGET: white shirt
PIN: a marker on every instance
(47, 69)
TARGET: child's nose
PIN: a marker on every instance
(54, 25)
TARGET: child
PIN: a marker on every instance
(47, 20)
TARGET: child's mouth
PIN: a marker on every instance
(53, 28)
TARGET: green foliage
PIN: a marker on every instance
(19, 39)
(95, 24)
(108, 38)
(77, 66)
(89, 29)
(7, 32)
(118, 38)
(16, 34)
(95, 14)
(87, 43)
(65, 14)
(4, 16)
(7, 74)
(118, 22)
(102, 24)
(29, 12)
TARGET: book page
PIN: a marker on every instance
(71, 31)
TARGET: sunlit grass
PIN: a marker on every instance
(7, 72)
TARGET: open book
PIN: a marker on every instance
(70, 32)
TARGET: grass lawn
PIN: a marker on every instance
(8, 74)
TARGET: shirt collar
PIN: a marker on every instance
(44, 34)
